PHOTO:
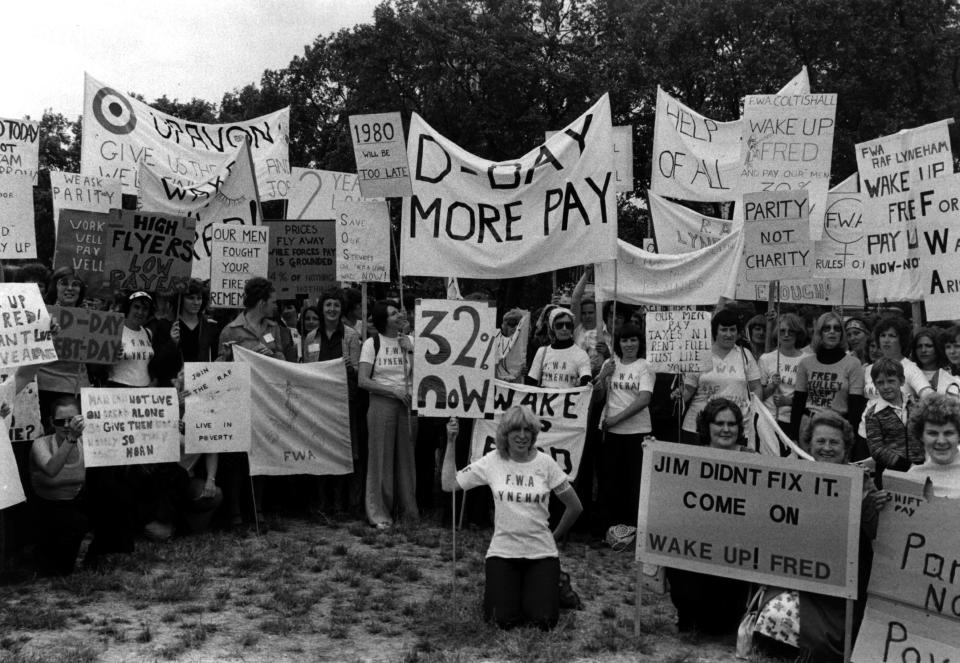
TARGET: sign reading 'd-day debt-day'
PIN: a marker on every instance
(317, 194)
(19, 148)
(147, 251)
(87, 336)
(80, 246)
(891, 169)
(24, 326)
(302, 256)
(217, 407)
(18, 237)
(553, 207)
(777, 243)
(130, 426)
(238, 253)
(453, 366)
(787, 145)
(381, 155)
(678, 341)
(86, 193)
(749, 516)
(913, 599)
(363, 242)
(121, 133)
(563, 421)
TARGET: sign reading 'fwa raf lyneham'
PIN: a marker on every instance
(553, 207)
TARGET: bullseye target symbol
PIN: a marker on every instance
(113, 111)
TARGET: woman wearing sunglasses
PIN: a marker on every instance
(562, 364)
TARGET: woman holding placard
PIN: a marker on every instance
(132, 369)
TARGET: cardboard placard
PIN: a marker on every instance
(363, 242)
(148, 251)
(11, 490)
(381, 155)
(217, 415)
(763, 519)
(130, 426)
(777, 241)
(302, 257)
(86, 193)
(238, 253)
(86, 335)
(678, 341)
(19, 148)
(317, 194)
(841, 251)
(453, 362)
(24, 326)
(936, 216)
(80, 246)
(24, 423)
(18, 238)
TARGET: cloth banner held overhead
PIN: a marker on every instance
(688, 279)
(680, 229)
(21, 148)
(299, 413)
(563, 421)
(551, 208)
(119, 133)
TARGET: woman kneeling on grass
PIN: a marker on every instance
(522, 565)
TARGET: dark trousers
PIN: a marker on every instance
(522, 591)
(62, 525)
(110, 493)
(622, 459)
(709, 604)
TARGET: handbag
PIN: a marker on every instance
(745, 646)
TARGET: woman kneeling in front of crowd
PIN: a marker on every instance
(522, 564)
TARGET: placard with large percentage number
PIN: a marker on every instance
(453, 367)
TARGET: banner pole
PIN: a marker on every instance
(679, 377)
(638, 597)
(847, 631)
(253, 498)
(256, 188)
(453, 531)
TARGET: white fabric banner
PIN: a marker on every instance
(228, 196)
(699, 277)
(317, 194)
(563, 421)
(770, 437)
(554, 207)
(891, 169)
(20, 148)
(217, 407)
(939, 202)
(120, 132)
(83, 192)
(11, 490)
(680, 229)
(799, 84)
(299, 413)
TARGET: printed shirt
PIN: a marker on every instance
(560, 369)
(132, 369)
(521, 497)
(727, 379)
(788, 379)
(626, 384)
(391, 366)
(828, 386)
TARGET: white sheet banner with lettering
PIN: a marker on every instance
(689, 279)
(938, 228)
(680, 229)
(841, 251)
(19, 148)
(119, 133)
(317, 194)
(554, 207)
(217, 407)
(299, 413)
(86, 193)
(563, 421)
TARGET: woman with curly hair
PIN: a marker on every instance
(936, 423)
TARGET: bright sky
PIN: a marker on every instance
(181, 48)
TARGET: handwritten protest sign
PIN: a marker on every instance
(381, 155)
(680, 229)
(217, 415)
(86, 335)
(363, 242)
(130, 426)
(913, 604)
(563, 421)
(18, 237)
(777, 235)
(317, 194)
(764, 519)
(25, 422)
(553, 207)
(841, 251)
(238, 254)
(303, 256)
(787, 145)
(19, 148)
(11, 490)
(938, 206)
(120, 133)
(891, 168)
(678, 341)
(845, 292)
(148, 251)
(453, 367)
(86, 193)
(80, 246)
(24, 326)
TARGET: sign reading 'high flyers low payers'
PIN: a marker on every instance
(148, 251)
(554, 207)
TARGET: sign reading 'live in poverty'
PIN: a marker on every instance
(148, 251)
(553, 207)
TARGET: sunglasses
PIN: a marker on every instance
(62, 422)
(836, 328)
(70, 284)
(563, 325)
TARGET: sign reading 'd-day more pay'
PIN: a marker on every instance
(913, 599)
(777, 242)
(381, 155)
(19, 148)
(130, 426)
(937, 213)
(85, 193)
(787, 145)
(18, 237)
(453, 367)
(317, 194)
(217, 414)
(86, 335)
(238, 254)
(80, 246)
(24, 326)
(148, 251)
(363, 242)
(302, 256)
(622, 155)
(764, 519)
(678, 341)
(891, 169)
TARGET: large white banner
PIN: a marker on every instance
(19, 148)
(217, 407)
(317, 194)
(938, 213)
(300, 416)
(554, 207)
(453, 361)
(18, 238)
(131, 426)
(688, 279)
(680, 229)
(120, 133)
(85, 193)
(891, 168)
(11, 490)
(563, 421)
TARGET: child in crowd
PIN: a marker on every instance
(886, 420)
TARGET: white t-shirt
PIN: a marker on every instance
(521, 497)
(788, 378)
(945, 478)
(728, 379)
(626, 383)
(137, 352)
(560, 369)
(392, 365)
